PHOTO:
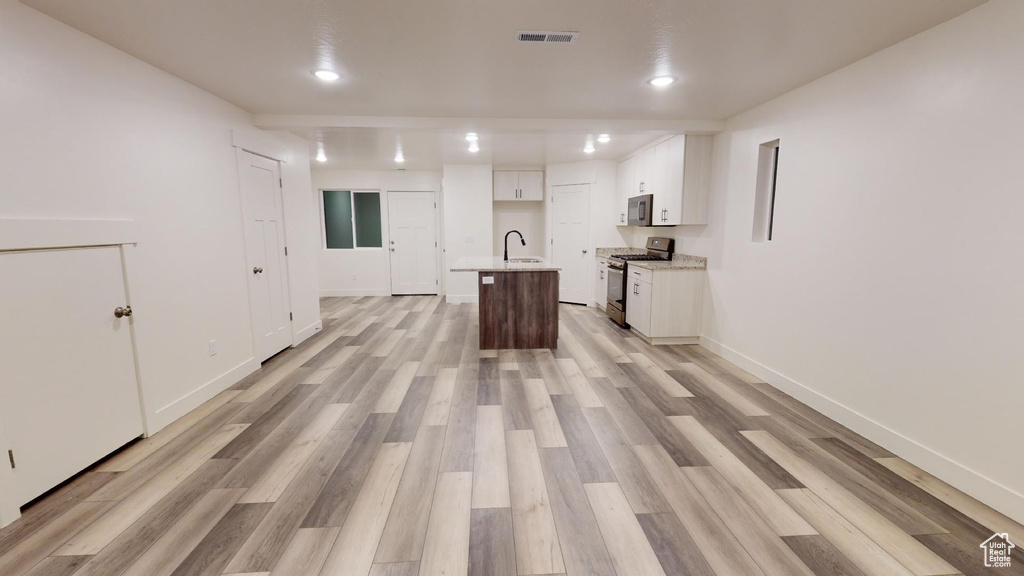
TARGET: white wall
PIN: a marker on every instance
(90, 132)
(891, 297)
(468, 224)
(600, 174)
(528, 218)
(363, 271)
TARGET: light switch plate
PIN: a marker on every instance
(213, 347)
(487, 280)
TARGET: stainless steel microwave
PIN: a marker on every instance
(640, 210)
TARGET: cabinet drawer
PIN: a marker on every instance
(641, 274)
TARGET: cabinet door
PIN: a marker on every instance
(601, 283)
(632, 302)
(506, 185)
(646, 171)
(626, 175)
(531, 185)
(638, 306)
(668, 206)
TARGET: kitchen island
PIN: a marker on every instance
(518, 301)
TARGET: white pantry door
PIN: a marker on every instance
(266, 265)
(570, 236)
(413, 242)
(68, 394)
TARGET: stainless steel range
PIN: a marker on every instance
(657, 249)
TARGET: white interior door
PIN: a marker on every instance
(68, 394)
(413, 242)
(266, 265)
(570, 236)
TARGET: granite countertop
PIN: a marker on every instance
(606, 252)
(678, 262)
(497, 264)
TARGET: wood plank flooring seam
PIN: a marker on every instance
(389, 444)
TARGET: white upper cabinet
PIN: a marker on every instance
(676, 172)
(624, 189)
(668, 206)
(531, 185)
(514, 185)
(506, 185)
(646, 175)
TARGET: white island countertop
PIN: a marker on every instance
(497, 264)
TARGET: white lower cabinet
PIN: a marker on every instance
(601, 283)
(638, 305)
(663, 306)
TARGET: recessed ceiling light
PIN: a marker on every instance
(474, 147)
(604, 138)
(472, 136)
(399, 157)
(589, 149)
(321, 157)
(327, 75)
(662, 81)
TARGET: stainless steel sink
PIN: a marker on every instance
(525, 260)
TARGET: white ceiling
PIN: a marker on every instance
(459, 58)
(429, 149)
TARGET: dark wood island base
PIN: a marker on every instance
(518, 309)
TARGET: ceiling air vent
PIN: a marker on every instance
(556, 37)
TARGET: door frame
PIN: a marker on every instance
(285, 269)
(18, 235)
(550, 218)
(438, 247)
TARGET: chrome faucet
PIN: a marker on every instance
(521, 239)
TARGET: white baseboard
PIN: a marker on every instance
(335, 293)
(984, 489)
(462, 299)
(189, 402)
(306, 332)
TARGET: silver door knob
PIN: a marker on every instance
(392, 249)
(584, 250)
(122, 312)
(256, 270)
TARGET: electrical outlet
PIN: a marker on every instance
(354, 277)
(213, 347)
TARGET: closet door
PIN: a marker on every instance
(69, 393)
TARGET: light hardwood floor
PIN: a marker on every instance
(390, 444)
